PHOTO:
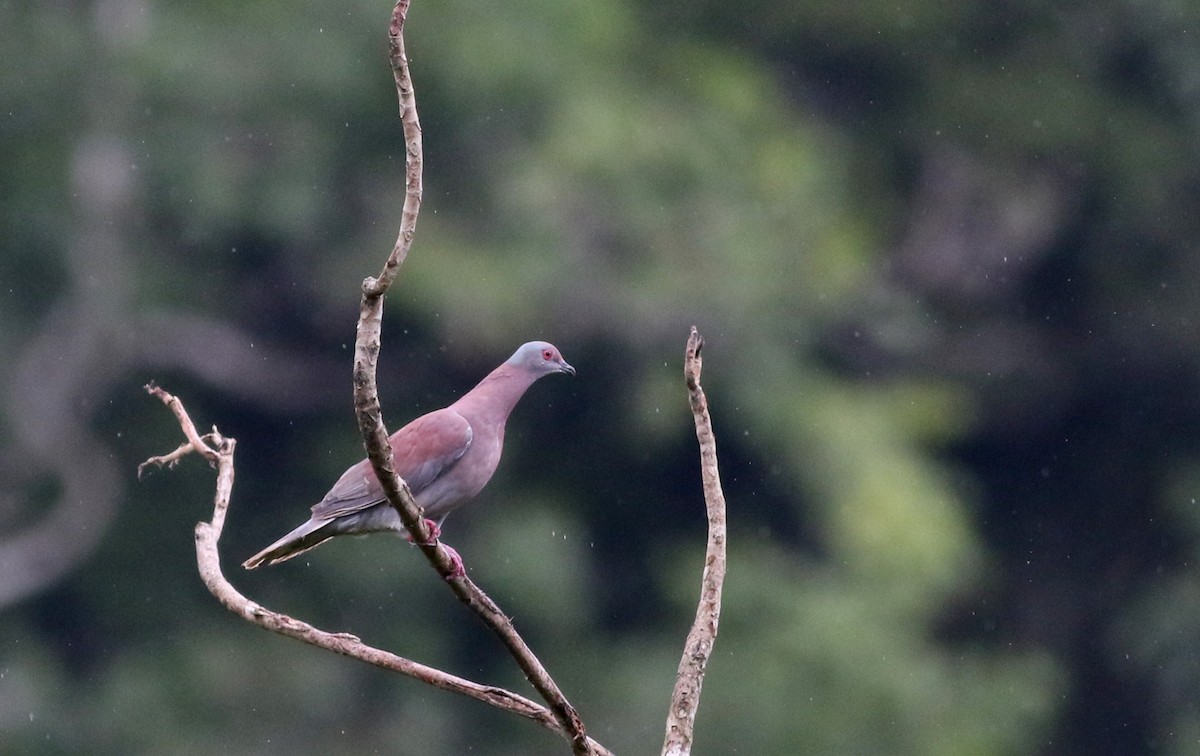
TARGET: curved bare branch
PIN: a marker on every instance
(218, 451)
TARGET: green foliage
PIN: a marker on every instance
(603, 174)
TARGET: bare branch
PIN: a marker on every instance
(375, 435)
(194, 442)
(685, 699)
(412, 158)
(219, 451)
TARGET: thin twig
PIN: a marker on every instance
(218, 450)
(413, 186)
(685, 699)
(375, 435)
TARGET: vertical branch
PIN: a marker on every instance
(685, 699)
(413, 186)
(370, 416)
(370, 321)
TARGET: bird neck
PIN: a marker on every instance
(496, 395)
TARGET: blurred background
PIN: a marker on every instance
(944, 259)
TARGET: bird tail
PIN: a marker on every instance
(308, 536)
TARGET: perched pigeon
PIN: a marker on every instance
(446, 457)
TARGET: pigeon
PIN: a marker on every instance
(446, 456)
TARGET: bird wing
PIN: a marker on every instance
(423, 451)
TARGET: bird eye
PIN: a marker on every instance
(547, 354)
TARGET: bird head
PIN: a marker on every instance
(541, 358)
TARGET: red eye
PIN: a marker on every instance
(547, 354)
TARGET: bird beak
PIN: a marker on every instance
(563, 367)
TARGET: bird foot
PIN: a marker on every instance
(456, 563)
(435, 533)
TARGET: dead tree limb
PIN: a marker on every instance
(370, 415)
(559, 716)
(681, 717)
(218, 450)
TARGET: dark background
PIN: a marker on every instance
(944, 258)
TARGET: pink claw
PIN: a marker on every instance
(434, 533)
(456, 563)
